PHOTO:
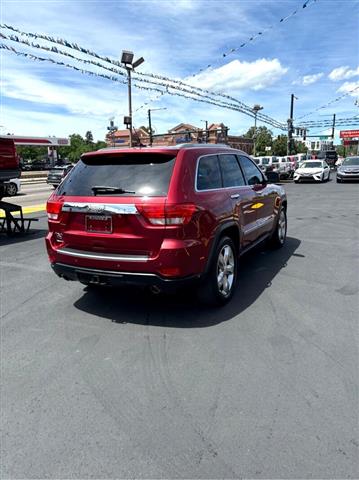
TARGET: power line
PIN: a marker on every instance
(169, 90)
(254, 36)
(246, 109)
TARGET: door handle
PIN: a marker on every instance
(235, 195)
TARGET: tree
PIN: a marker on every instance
(31, 153)
(263, 138)
(300, 147)
(89, 137)
(280, 146)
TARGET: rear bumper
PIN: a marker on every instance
(93, 276)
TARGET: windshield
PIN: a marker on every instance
(265, 161)
(351, 161)
(311, 165)
(136, 174)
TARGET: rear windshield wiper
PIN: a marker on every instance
(104, 189)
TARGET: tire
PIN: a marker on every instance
(11, 189)
(220, 282)
(296, 181)
(339, 180)
(279, 234)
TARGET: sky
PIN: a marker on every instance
(312, 54)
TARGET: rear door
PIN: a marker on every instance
(118, 222)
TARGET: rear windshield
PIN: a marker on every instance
(138, 173)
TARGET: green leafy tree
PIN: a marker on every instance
(31, 153)
(300, 147)
(263, 139)
(89, 137)
(280, 146)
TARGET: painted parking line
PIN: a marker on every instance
(30, 209)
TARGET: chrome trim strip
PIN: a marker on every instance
(259, 224)
(102, 256)
(114, 208)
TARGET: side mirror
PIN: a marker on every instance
(272, 177)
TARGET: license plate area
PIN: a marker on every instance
(98, 223)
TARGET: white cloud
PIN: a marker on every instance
(238, 75)
(308, 79)
(343, 73)
(352, 87)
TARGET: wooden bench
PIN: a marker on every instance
(10, 224)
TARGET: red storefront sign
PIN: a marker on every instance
(349, 133)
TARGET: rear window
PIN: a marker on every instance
(143, 174)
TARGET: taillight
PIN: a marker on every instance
(167, 214)
(53, 209)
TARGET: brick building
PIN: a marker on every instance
(182, 133)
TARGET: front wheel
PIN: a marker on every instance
(279, 235)
(219, 285)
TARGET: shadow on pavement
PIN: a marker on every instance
(18, 237)
(183, 310)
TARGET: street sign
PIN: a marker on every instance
(324, 137)
(349, 133)
(268, 149)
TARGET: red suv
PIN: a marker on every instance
(163, 217)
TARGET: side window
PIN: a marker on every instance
(252, 173)
(208, 175)
(231, 173)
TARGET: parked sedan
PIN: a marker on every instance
(348, 170)
(57, 174)
(13, 187)
(317, 170)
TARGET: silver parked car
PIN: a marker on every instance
(348, 170)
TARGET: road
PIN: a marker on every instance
(32, 194)
(123, 384)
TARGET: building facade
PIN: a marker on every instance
(182, 133)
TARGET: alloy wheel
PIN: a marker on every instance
(282, 227)
(225, 270)
(11, 189)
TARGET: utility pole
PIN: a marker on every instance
(149, 121)
(150, 127)
(333, 128)
(290, 125)
(255, 109)
(206, 122)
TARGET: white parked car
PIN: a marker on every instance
(13, 187)
(317, 170)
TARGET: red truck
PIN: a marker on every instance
(9, 163)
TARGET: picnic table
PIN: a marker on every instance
(10, 224)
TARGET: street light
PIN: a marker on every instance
(149, 121)
(255, 109)
(127, 60)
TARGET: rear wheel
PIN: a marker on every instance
(219, 284)
(11, 189)
(280, 233)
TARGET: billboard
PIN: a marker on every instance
(349, 133)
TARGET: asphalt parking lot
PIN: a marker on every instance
(123, 384)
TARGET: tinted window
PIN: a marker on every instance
(231, 173)
(144, 174)
(253, 175)
(209, 175)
